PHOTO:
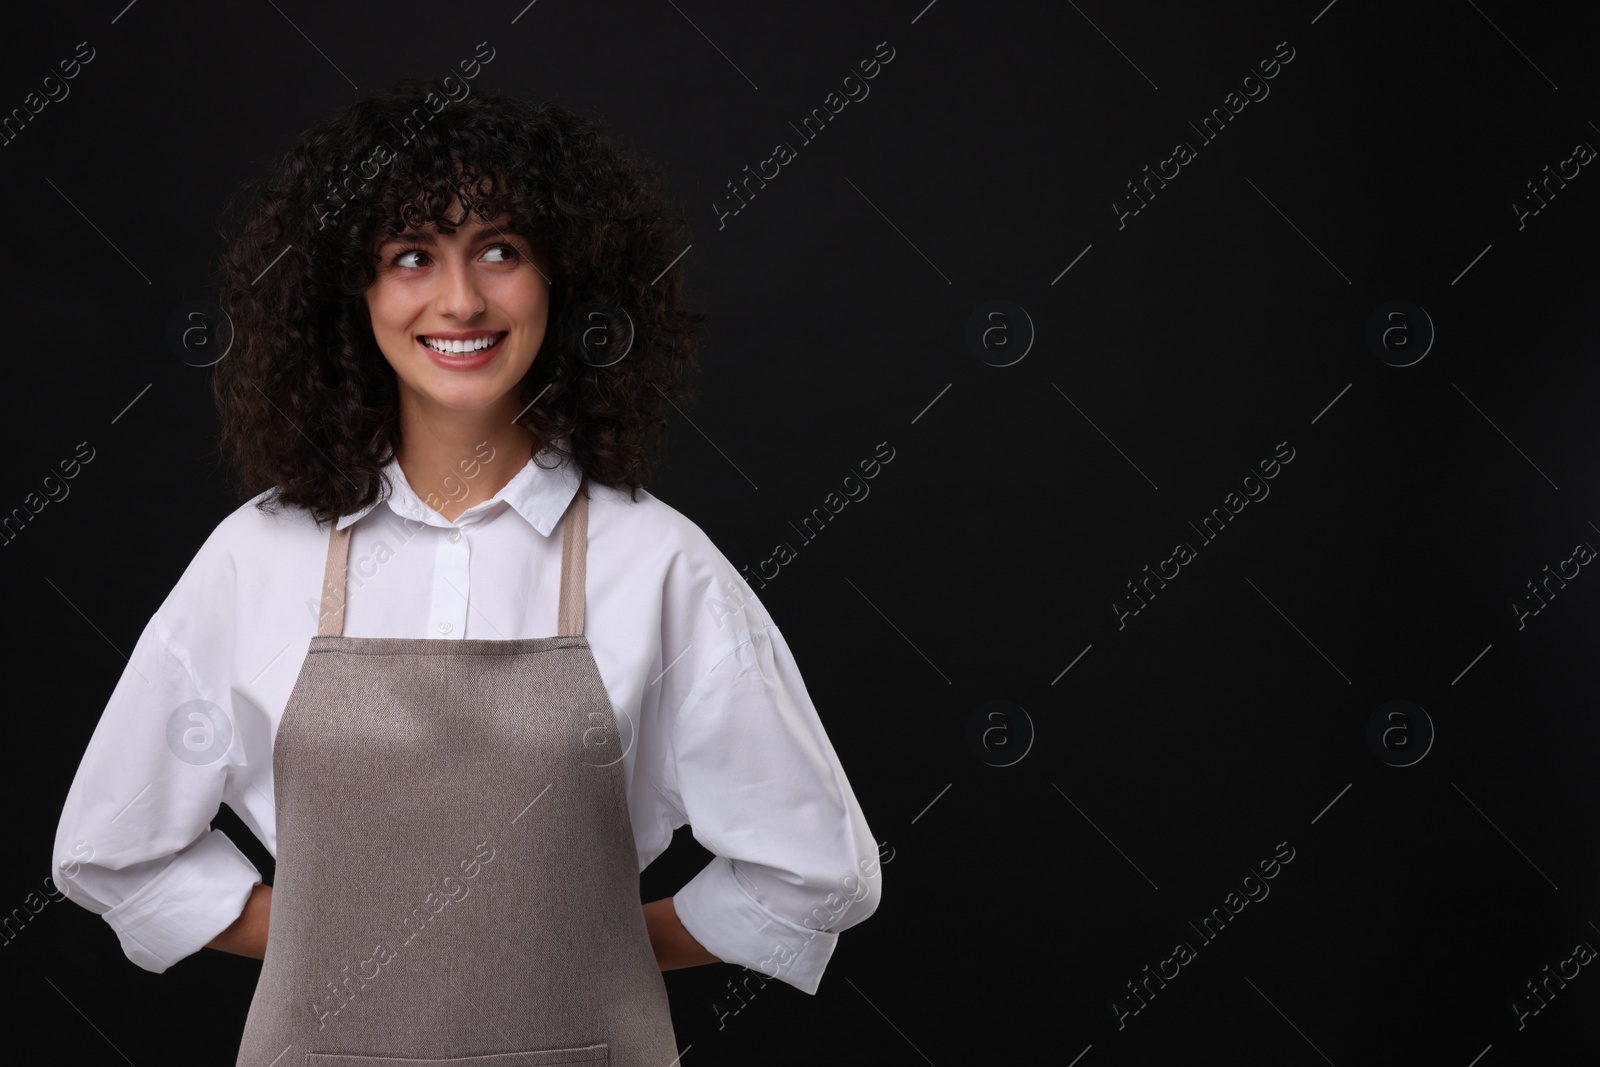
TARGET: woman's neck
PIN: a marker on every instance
(452, 471)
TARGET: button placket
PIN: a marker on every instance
(450, 584)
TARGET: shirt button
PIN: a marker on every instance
(445, 627)
(455, 535)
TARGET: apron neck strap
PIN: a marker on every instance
(331, 616)
(574, 545)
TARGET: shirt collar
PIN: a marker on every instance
(539, 494)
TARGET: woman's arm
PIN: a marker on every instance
(675, 946)
(247, 935)
(751, 768)
(134, 842)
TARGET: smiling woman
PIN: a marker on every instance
(501, 676)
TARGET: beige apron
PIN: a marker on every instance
(456, 875)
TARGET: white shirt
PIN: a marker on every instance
(717, 727)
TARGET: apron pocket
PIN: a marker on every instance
(599, 1055)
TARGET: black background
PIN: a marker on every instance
(1229, 315)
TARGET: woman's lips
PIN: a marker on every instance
(466, 360)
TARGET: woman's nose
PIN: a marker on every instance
(460, 296)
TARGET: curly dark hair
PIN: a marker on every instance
(308, 404)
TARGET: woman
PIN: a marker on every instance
(450, 662)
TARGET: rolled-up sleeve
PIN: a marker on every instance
(762, 789)
(134, 842)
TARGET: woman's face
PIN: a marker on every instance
(477, 289)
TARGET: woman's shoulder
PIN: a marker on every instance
(671, 549)
(261, 523)
(238, 598)
(249, 552)
(651, 529)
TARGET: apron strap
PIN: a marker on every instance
(574, 542)
(331, 615)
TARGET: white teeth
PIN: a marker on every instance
(458, 347)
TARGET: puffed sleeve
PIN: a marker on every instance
(134, 842)
(762, 789)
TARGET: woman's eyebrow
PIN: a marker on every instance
(424, 237)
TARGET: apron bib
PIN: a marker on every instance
(457, 882)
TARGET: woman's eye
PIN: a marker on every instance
(508, 253)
